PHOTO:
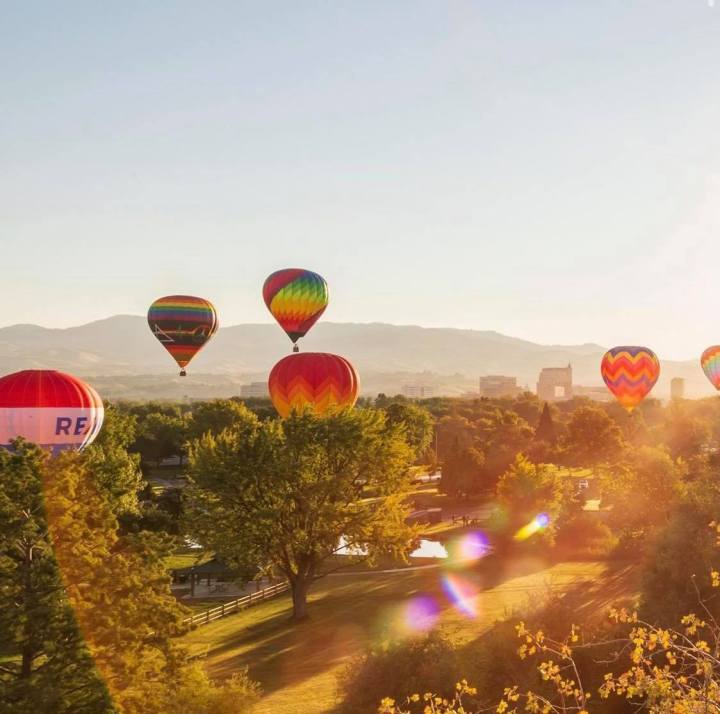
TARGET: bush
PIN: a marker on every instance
(420, 664)
(585, 536)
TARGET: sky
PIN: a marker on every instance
(547, 169)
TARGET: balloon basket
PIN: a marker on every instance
(183, 373)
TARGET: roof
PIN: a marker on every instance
(211, 567)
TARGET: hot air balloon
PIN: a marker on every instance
(710, 362)
(52, 409)
(315, 380)
(296, 298)
(182, 324)
(630, 373)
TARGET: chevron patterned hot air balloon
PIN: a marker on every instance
(710, 362)
(315, 380)
(52, 409)
(182, 324)
(296, 298)
(630, 373)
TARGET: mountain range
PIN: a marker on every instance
(122, 358)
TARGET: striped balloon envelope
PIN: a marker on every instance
(183, 324)
(630, 373)
(317, 381)
(296, 298)
(710, 363)
(52, 409)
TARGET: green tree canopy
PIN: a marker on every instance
(214, 416)
(416, 422)
(87, 619)
(282, 494)
(592, 437)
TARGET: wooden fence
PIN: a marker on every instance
(227, 608)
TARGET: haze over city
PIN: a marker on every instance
(547, 170)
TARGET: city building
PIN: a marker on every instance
(555, 384)
(677, 388)
(255, 389)
(497, 385)
(418, 391)
(598, 394)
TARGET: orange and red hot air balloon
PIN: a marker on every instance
(296, 298)
(317, 381)
(52, 409)
(630, 373)
(183, 324)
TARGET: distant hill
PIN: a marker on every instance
(124, 359)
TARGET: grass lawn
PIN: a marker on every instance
(297, 664)
(185, 557)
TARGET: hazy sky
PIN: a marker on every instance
(548, 169)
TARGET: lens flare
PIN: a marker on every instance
(420, 614)
(473, 546)
(461, 593)
(539, 523)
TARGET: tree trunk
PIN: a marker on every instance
(28, 648)
(300, 585)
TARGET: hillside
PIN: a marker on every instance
(123, 358)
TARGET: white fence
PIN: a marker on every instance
(227, 608)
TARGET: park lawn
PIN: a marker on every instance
(186, 557)
(298, 664)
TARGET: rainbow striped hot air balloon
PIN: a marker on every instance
(52, 409)
(710, 362)
(630, 373)
(182, 324)
(296, 298)
(314, 380)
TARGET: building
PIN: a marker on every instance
(255, 389)
(497, 385)
(677, 388)
(418, 391)
(598, 394)
(555, 384)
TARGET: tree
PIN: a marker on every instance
(87, 611)
(527, 490)
(502, 435)
(49, 668)
(115, 471)
(545, 430)
(686, 435)
(462, 472)
(282, 494)
(416, 422)
(160, 435)
(650, 477)
(592, 438)
(214, 416)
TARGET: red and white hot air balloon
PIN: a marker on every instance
(52, 409)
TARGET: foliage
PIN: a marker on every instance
(592, 438)
(416, 423)
(462, 472)
(649, 477)
(281, 494)
(87, 615)
(116, 472)
(214, 416)
(545, 430)
(584, 536)
(426, 662)
(526, 490)
(48, 666)
(160, 435)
